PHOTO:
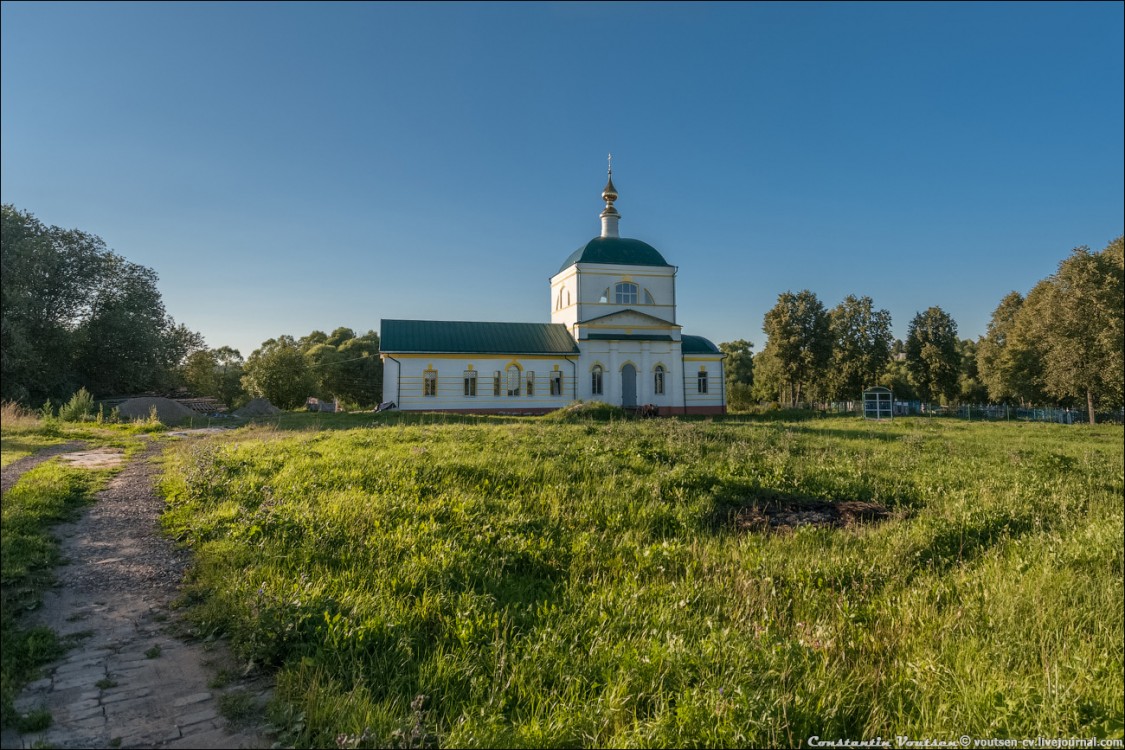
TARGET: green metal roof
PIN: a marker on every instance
(616, 250)
(626, 337)
(697, 345)
(465, 337)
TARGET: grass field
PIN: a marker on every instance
(503, 582)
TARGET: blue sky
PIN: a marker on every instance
(290, 167)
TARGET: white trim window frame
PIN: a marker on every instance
(625, 293)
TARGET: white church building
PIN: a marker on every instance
(613, 337)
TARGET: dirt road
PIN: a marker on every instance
(130, 682)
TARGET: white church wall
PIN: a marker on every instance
(405, 383)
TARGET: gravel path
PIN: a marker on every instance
(130, 682)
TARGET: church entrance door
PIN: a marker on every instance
(628, 386)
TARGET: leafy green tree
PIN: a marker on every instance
(1009, 361)
(768, 378)
(279, 371)
(360, 372)
(931, 355)
(216, 373)
(800, 342)
(128, 344)
(339, 336)
(1076, 315)
(73, 313)
(861, 347)
(739, 368)
(897, 378)
(970, 388)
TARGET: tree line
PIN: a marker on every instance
(1062, 343)
(74, 314)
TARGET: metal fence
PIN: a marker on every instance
(988, 412)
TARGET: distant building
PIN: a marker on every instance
(613, 337)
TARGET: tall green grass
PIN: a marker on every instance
(558, 584)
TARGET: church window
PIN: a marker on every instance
(701, 381)
(648, 298)
(625, 293)
(513, 380)
(530, 383)
(658, 381)
(596, 380)
(496, 383)
(429, 383)
(470, 382)
(556, 383)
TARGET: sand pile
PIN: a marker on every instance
(259, 407)
(167, 410)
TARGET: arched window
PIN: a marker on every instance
(658, 380)
(513, 380)
(429, 383)
(470, 382)
(596, 380)
(701, 380)
(496, 381)
(625, 293)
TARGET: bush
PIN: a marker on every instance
(79, 408)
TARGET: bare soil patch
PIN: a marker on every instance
(99, 458)
(780, 514)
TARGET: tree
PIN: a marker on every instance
(279, 371)
(970, 389)
(1076, 315)
(739, 368)
(1009, 362)
(800, 341)
(861, 347)
(216, 373)
(931, 354)
(73, 314)
(768, 378)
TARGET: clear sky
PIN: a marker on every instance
(290, 167)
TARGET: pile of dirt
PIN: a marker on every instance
(167, 410)
(259, 407)
(777, 515)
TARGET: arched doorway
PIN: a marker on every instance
(628, 386)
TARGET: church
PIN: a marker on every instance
(613, 337)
